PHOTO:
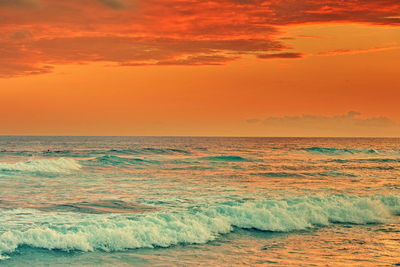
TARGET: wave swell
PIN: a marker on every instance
(306, 174)
(95, 152)
(67, 231)
(229, 158)
(339, 151)
(120, 161)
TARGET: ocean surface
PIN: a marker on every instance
(192, 201)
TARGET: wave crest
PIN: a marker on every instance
(229, 158)
(66, 231)
(60, 165)
(306, 174)
(339, 151)
(120, 161)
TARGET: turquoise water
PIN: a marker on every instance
(182, 201)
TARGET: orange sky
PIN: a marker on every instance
(195, 67)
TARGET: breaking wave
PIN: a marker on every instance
(368, 160)
(95, 152)
(116, 232)
(339, 151)
(60, 165)
(225, 158)
(119, 161)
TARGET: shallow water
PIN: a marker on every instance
(174, 201)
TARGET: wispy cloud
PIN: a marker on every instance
(286, 55)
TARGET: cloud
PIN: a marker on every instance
(13, 70)
(357, 51)
(125, 51)
(165, 32)
(287, 55)
(349, 124)
(199, 60)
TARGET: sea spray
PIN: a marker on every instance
(116, 232)
(59, 165)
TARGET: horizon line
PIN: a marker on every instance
(199, 136)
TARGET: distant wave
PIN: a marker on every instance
(307, 174)
(95, 152)
(102, 206)
(331, 174)
(148, 150)
(191, 168)
(60, 165)
(225, 158)
(129, 161)
(371, 160)
(72, 231)
(166, 151)
(119, 161)
(339, 151)
(279, 174)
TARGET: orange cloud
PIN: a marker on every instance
(286, 55)
(38, 34)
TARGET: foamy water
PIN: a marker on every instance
(123, 201)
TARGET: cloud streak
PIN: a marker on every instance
(287, 55)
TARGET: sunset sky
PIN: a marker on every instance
(197, 67)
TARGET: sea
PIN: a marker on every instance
(199, 201)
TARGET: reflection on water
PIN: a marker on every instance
(212, 201)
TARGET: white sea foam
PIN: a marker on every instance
(72, 231)
(46, 165)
